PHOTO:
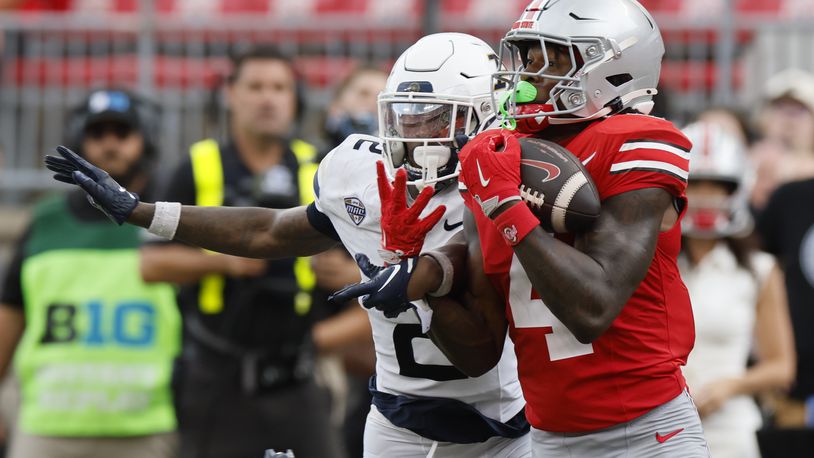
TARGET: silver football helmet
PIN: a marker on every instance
(719, 156)
(615, 50)
(439, 89)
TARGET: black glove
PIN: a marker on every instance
(386, 288)
(103, 192)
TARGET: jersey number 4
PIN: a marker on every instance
(529, 312)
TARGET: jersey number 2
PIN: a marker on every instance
(533, 313)
(403, 335)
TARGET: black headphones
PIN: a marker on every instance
(143, 114)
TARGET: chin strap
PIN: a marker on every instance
(643, 107)
(526, 93)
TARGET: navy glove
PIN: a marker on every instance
(103, 192)
(386, 288)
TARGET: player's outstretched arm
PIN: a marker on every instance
(586, 285)
(244, 231)
(248, 232)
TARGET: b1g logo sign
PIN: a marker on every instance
(127, 324)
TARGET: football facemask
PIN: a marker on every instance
(419, 131)
(591, 59)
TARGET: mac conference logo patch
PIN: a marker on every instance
(356, 210)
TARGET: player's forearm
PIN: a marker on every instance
(429, 275)
(465, 338)
(243, 231)
(231, 230)
(469, 325)
(571, 284)
(586, 285)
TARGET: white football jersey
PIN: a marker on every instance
(407, 362)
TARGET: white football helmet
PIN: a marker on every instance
(439, 89)
(615, 49)
(719, 156)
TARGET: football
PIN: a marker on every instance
(557, 188)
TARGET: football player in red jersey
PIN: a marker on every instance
(601, 321)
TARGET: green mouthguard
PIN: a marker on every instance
(524, 92)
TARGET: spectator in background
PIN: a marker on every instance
(347, 331)
(786, 228)
(245, 380)
(785, 121)
(737, 296)
(354, 109)
(93, 344)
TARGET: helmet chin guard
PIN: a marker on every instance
(430, 159)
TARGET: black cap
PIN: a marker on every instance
(112, 106)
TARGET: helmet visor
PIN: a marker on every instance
(428, 121)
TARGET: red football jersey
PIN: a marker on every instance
(635, 365)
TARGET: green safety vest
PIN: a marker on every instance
(99, 344)
(207, 171)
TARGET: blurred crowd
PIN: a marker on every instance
(231, 356)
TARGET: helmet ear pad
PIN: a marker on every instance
(398, 153)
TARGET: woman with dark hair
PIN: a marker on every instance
(737, 294)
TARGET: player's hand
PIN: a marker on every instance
(103, 192)
(490, 169)
(386, 289)
(403, 231)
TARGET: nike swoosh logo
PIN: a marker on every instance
(666, 437)
(586, 161)
(452, 227)
(391, 277)
(483, 181)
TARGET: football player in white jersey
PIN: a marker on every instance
(438, 95)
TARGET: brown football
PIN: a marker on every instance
(557, 188)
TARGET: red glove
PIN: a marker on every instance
(403, 232)
(490, 169)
